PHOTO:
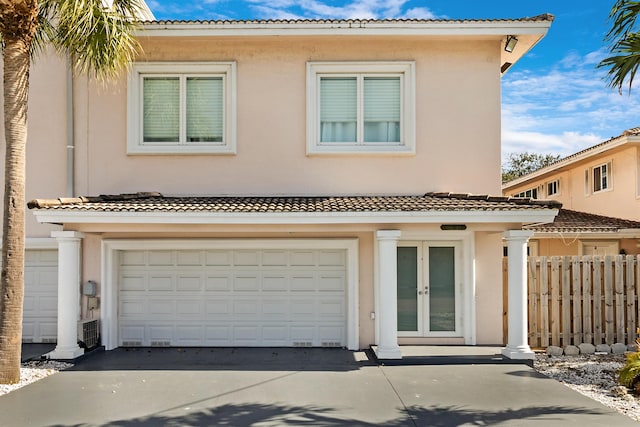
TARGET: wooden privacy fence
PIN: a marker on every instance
(588, 299)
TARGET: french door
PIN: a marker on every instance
(429, 301)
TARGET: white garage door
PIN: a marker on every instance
(40, 309)
(232, 298)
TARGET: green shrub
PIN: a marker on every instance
(629, 374)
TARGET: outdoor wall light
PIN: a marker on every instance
(510, 43)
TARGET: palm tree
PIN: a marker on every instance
(624, 46)
(98, 37)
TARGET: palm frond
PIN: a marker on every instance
(623, 16)
(624, 64)
(99, 38)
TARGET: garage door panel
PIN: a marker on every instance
(135, 282)
(331, 281)
(275, 282)
(218, 258)
(189, 308)
(234, 298)
(303, 282)
(331, 258)
(189, 283)
(246, 258)
(246, 282)
(161, 258)
(189, 258)
(218, 307)
(218, 283)
(246, 308)
(40, 304)
(161, 282)
(162, 307)
(133, 258)
(48, 306)
(275, 258)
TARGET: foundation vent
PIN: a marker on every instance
(132, 343)
(302, 343)
(160, 343)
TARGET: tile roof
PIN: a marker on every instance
(538, 18)
(605, 145)
(568, 221)
(156, 202)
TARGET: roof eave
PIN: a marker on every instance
(572, 159)
(87, 217)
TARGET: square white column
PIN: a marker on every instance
(68, 294)
(388, 293)
(517, 341)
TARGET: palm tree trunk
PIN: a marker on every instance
(16, 88)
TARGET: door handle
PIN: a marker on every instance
(426, 290)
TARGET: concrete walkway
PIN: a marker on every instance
(294, 387)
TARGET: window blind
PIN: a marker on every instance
(381, 109)
(204, 106)
(161, 109)
(338, 109)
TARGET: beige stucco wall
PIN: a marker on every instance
(458, 111)
(485, 259)
(570, 245)
(46, 135)
(622, 201)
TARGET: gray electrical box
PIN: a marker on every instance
(89, 288)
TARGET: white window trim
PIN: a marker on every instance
(135, 144)
(406, 69)
(609, 166)
(557, 182)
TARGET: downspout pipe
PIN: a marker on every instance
(71, 143)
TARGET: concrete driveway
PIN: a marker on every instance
(294, 387)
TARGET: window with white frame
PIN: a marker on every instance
(531, 193)
(360, 107)
(598, 178)
(553, 188)
(181, 108)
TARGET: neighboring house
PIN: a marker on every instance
(580, 233)
(603, 179)
(303, 171)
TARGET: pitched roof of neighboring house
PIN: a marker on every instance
(568, 221)
(629, 135)
(149, 202)
(143, 208)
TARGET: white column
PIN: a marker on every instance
(517, 342)
(388, 287)
(68, 294)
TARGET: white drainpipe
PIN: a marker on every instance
(70, 132)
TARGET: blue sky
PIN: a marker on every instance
(554, 100)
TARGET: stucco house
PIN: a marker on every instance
(599, 189)
(284, 183)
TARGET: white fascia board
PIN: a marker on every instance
(442, 28)
(541, 216)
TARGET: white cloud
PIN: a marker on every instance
(355, 9)
(563, 109)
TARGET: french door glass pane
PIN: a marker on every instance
(204, 109)
(442, 290)
(161, 109)
(407, 289)
(338, 109)
(381, 109)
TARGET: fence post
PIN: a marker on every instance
(608, 299)
(544, 301)
(555, 301)
(577, 300)
(631, 300)
(619, 281)
(533, 303)
(587, 320)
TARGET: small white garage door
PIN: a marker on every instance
(232, 298)
(40, 308)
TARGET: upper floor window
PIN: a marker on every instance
(531, 193)
(553, 188)
(181, 108)
(598, 178)
(360, 107)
